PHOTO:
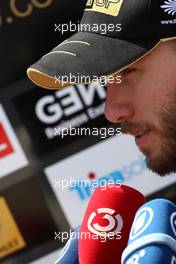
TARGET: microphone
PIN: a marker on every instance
(153, 234)
(69, 254)
(106, 225)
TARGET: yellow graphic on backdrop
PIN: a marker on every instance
(109, 7)
(11, 239)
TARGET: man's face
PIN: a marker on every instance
(144, 105)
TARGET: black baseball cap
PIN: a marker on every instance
(113, 34)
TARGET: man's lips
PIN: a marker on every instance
(141, 137)
(144, 139)
(137, 133)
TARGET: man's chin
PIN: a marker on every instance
(160, 165)
(156, 162)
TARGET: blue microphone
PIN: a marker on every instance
(69, 254)
(152, 237)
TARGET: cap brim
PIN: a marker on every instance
(85, 56)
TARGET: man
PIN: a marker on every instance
(140, 44)
(144, 105)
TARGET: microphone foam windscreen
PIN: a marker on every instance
(106, 225)
(153, 234)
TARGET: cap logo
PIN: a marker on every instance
(109, 7)
(169, 7)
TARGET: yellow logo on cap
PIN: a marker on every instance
(11, 239)
(109, 7)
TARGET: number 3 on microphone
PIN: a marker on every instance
(135, 259)
(173, 260)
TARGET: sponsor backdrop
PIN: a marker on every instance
(12, 156)
(27, 30)
(51, 112)
(49, 167)
(68, 183)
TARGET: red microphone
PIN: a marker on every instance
(107, 222)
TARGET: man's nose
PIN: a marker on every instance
(118, 106)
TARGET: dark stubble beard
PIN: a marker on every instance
(165, 162)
